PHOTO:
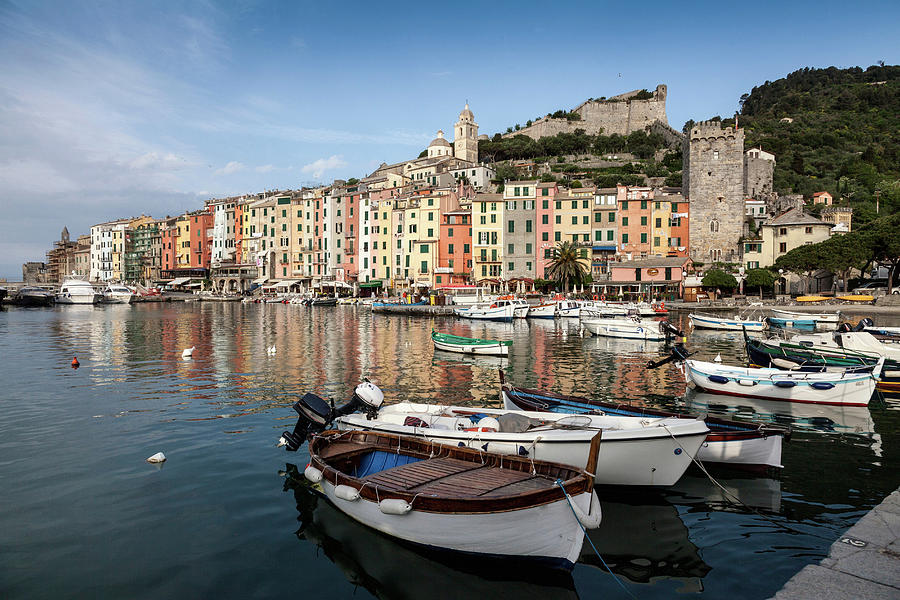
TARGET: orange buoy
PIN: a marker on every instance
(75, 363)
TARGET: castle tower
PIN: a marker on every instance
(465, 143)
(713, 182)
(64, 236)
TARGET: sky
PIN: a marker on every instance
(122, 108)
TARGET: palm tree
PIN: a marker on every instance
(566, 267)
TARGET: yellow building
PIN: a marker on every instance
(780, 235)
(183, 242)
(572, 214)
(488, 213)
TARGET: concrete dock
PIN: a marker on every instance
(862, 563)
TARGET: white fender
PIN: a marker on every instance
(592, 519)
(312, 474)
(394, 506)
(345, 492)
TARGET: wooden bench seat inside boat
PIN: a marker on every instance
(449, 477)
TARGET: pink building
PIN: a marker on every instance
(650, 278)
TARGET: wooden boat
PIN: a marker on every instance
(636, 451)
(324, 302)
(701, 321)
(457, 499)
(465, 345)
(734, 443)
(630, 328)
(843, 388)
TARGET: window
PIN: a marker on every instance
(609, 235)
(624, 221)
(611, 217)
(545, 204)
(545, 192)
(714, 226)
(546, 252)
(545, 219)
(450, 249)
(715, 155)
(511, 227)
(624, 238)
(574, 204)
(782, 231)
(483, 255)
(782, 247)
(528, 266)
(557, 236)
(423, 249)
(493, 218)
(545, 236)
(558, 205)
(809, 230)
(483, 220)
(512, 266)
(625, 205)
(643, 238)
(637, 274)
(643, 205)
(528, 226)
(423, 267)
(558, 219)
(574, 220)
(585, 220)
(598, 217)
(430, 232)
(598, 236)
(659, 222)
(465, 248)
(643, 221)
(510, 249)
(528, 248)
(656, 240)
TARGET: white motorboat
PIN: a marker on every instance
(116, 293)
(700, 321)
(636, 450)
(857, 341)
(568, 308)
(632, 328)
(841, 388)
(77, 291)
(500, 310)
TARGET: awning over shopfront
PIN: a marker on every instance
(286, 283)
(260, 280)
(180, 281)
(371, 284)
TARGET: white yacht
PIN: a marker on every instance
(77, 291)
(116, 293)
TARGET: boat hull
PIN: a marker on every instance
(497, 349)
(77, 299)
(772, 384)
(704, 322)
(726, 443)
(542, 311)
(553, 535)
(501, 313)
(625, 329)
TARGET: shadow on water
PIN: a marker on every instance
(396, 570)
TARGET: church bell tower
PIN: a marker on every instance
(465, 143)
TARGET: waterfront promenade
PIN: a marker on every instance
(862, 563)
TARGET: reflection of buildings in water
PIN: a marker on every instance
(642, 538)
(391, 569)
(741, 492)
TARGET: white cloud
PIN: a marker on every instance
(265, 169)
(161, 162)
(232, 167)
(318, 167)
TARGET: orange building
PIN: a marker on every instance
(454, 261)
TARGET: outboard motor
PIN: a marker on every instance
(667, 329)
(679, 353)
(863, 323)
(315, 414)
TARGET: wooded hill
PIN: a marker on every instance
(843, 135)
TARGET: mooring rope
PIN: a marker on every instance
(584, 531)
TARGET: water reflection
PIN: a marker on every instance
(393, 570)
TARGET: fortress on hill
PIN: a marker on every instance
(620, 114)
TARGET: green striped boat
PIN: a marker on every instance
(464, 345)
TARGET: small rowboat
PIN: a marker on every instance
(811, 298)
(630, 328)
(857, 298)
(844, 388)
(465, 345)
(457, 499)
(733, 443)
(819, 318)
(796, 323)
(701, 321)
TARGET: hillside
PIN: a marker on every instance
(843, 137)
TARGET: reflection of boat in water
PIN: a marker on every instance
(822, 417)
(758, 493)
(642, 538)
(388, 568)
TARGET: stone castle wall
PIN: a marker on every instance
(621, 116)
(714, 187)
(758, 177)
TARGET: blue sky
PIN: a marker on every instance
(113, 109)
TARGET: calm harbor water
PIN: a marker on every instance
(227, 516)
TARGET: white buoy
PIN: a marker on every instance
(271, 350)
(188, 352)
(718, 358)
(157, 458)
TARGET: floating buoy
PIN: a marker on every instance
(271, 351)
(157, 458)
(75, 363)
(188, 352)
(718, 358)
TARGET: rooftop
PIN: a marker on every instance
(794, 216)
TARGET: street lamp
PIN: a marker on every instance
(780, 277)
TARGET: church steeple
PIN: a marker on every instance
(465, 144)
